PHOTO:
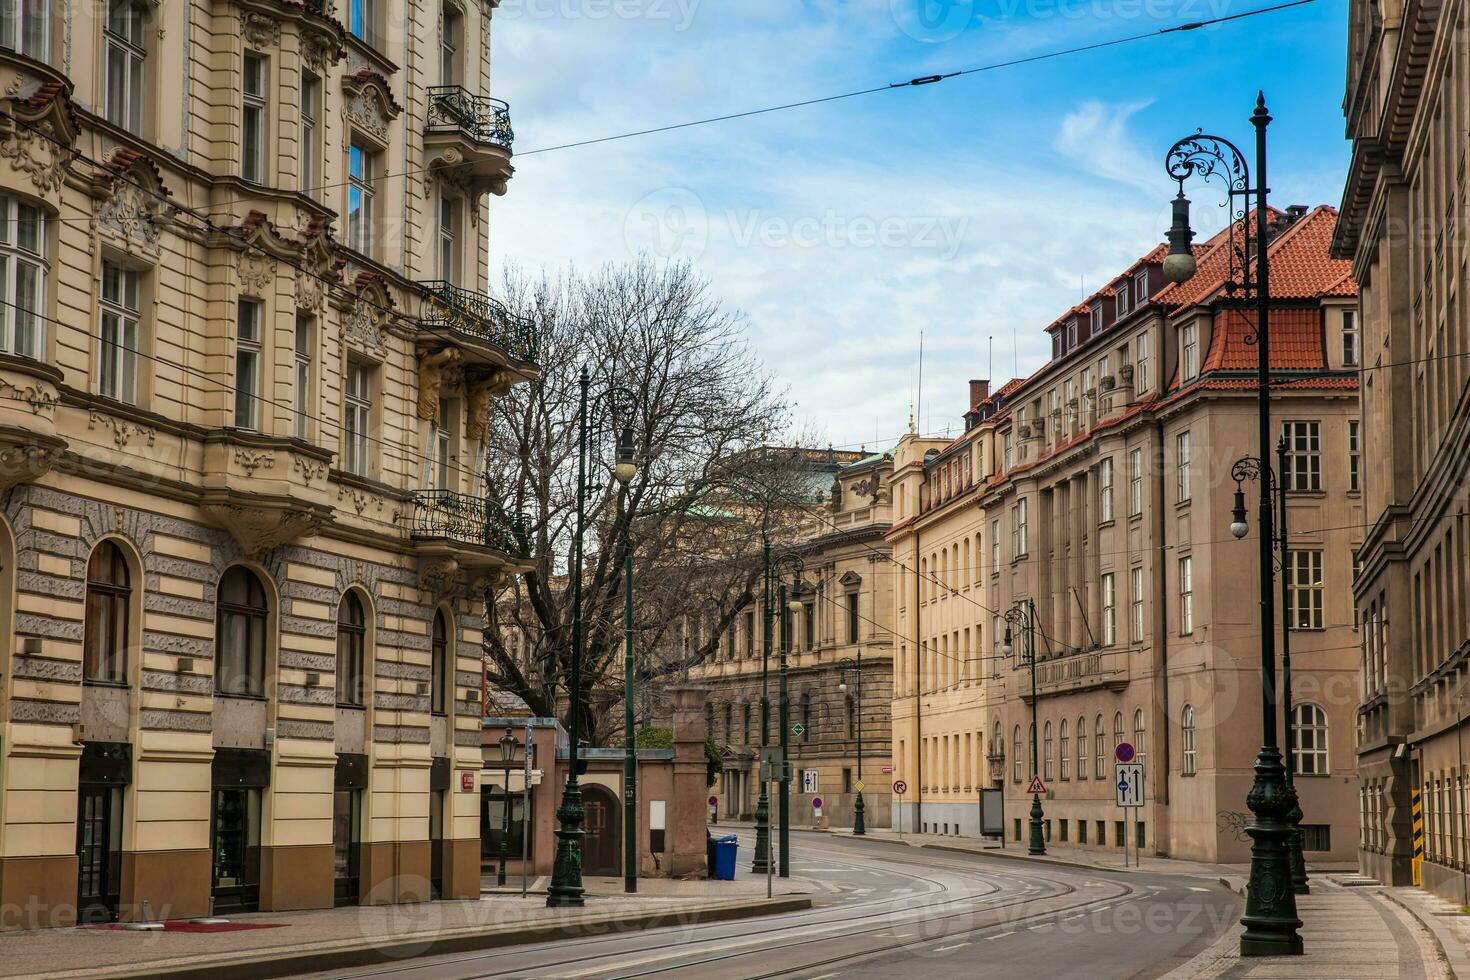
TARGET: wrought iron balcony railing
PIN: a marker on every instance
(479, 317)
(469, 520)
(483, 119)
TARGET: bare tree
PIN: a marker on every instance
(702, 410)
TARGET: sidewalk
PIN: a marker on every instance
(1346, 933)
(295, 942)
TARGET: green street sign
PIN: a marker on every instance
(798, 729)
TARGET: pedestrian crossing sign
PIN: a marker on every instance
(1037, 786)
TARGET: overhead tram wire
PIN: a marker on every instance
(916, 82)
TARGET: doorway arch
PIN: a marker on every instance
(602, 843)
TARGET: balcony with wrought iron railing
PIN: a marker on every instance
(477, 318)
(483, 119)
(464, 519)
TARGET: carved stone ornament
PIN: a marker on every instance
(432, 368)
(319, 266)
(322, 36)
(259, 30)
(251, 460)
(260, 528)
(40, 399)
(440, 574)
(309, 469)
(370, 106)
(124, 432)
(37, 133)
(132, 206)
(26, 462)
(365, 320)
(479, 394)
(360, 499)
(256, 272)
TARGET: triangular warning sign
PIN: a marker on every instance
(1037, 786)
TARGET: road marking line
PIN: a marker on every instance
(1195, 889)
(943, 949)
(1002, 935)
(824, 976)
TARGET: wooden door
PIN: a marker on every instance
(600, 843)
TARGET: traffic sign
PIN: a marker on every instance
(798, 729)
(816, 802)
(1124, 752)
(1037, 787)
(859, 785)
(1129, 784)
(900, 787)
(714, 801)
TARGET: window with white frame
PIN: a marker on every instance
(436, 463)
(357, 409)
(1016, 755)
(1046, 755)
(362, 19)
(1140, 288)
(1100, 749)
(1309, 740)
(1355, 456)
(1082, 750)
(247, 364)
(1188, 352)
(23, 270)
(1105, 489)
(361, 171)
(1135, 482)
(1140, 742)
(448, 239)
(1181, 467)
(1064, 750)
(1140, 368)
(1186, 741)
(253, 138)
(995, 547)
(1349, 338)
(117, 348)
(1109, 610)
(1304, 589)
(1186, 596)
(311, 137)
(302, 350)
(1135, 598)
(25, 27)
(1122, 299)
(126, 54)
(1071, 333)
(1018, 528)
(450, 33)
(1303, 456)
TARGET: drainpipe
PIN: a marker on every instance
(1159, 518)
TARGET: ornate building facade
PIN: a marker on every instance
(833, 706)
(1404, 211)
(1098, 490)
(247, 357)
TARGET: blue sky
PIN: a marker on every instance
(971, 209)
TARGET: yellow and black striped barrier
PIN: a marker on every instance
(1417, 803)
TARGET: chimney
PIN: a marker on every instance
(1294, 211)
(979, 391)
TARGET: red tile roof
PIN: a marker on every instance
(1296, 341)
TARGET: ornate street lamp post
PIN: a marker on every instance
(856, 666)
(625, 468)
(508, 746)
(792, 563)
(1270, 920)
(1023, 616)
(762, 863)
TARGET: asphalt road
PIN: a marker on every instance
(896, 911)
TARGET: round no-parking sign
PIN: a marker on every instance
(1124, 752)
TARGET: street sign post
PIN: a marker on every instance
(899, 788)
(1124, 752)
(1128, 786)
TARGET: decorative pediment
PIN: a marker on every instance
(39, 130)
(322, 36)
(850, 580)
(367, 315)
(370, 104)
(320, 264)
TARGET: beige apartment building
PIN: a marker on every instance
(847, 604)
(248, 355)
(1404, 213)
(1099, 489)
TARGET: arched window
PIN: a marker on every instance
(1309, 740)
(240, 630)
(439, 665)
(1064, 749)
(109, 598)
(351, 650)
(1016, 755)
(1082, 755)
(1118, 734)
(1046, 751)
(1186, 740)
(1138, 736)
(1100, 749)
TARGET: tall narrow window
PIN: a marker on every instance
(1355, 456)
(1135, 596)
(1109, 610)
(1046, 755)
(1099, 749)
(437, 461)
(305, 338)
(1016, 754)
(1181, 467)
(126, 54)
(1082, 751)
(247, 365)
(1135, 482)
(1140, 744)
(1018, 529)
(449, 35)
(25, 26)
(360, 174)
(852, 617)
(1188, 352)
(448, 239)
(1186, 740)
(1105, 485)
(105, 633)
(1303, 456)
(1304, 589)
(1140, 371)
(357, 415)
(22, 277)
(351, 649)
(252, 119)
(439, 665)
(995, 547)
(1186, 596)
(311, 115)
(1349, 338)
(117, 349)
(362, 19)
(1064, 751)
(240, 633)
(1140, 288)
(1309, 740)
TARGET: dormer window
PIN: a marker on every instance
(1056, 343)
(1140, 288)
(1097, 321)
(1122, 299)
(1071, 333)
(1188, 352)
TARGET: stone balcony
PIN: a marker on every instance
(469, 136)
(482, 328)
(459, 534)
(29, 445)
(265, 490)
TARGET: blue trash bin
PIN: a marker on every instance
(725, 848)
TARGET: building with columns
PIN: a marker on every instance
(248, 357)
(1098, 490)
(1403, 211)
